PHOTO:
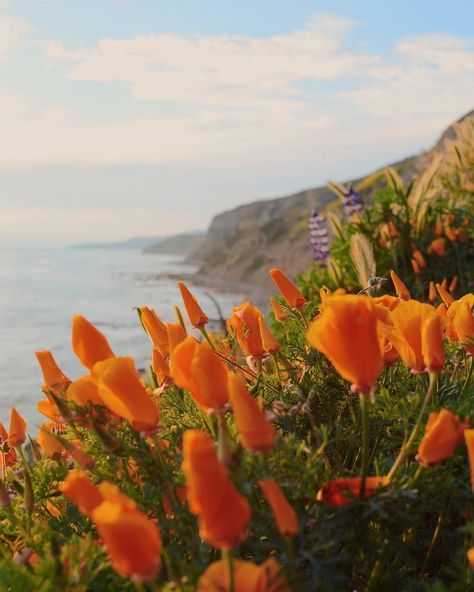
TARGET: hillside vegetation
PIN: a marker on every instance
(242, 243)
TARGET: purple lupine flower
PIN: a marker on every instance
(352, 203)
(319, 237)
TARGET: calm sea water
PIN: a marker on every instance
(40, 290)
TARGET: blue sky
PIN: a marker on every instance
(129, 117)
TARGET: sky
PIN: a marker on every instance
(123, 118)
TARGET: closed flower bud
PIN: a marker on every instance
(285, 517)
(17, 430)
(278, 311)
(53, 376)
(196, 315)
(437, 247)
(51, 446)
(269, 343)
(88, 343)
(400, 288)
(256, 433)
(156, 329)
(469, 439)
(223, 512)
(444, 431)
(291, 293)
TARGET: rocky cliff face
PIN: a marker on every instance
(243, 243)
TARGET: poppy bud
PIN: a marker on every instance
(286, 519)
(223, 512)
(196, 315)
(256, 433)
(290, 292)
(88, 343)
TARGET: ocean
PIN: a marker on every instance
(42, 288)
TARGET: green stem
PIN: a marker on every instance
(364, 417)
(405, 450)
(227, 556)
(468, 377)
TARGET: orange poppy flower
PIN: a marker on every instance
(470, 557)
(387, 301)
(285, 517)
(122, 391)
(17, 430)
(133, 541)
(438, 247)
(88, 343)
(432, 294)
(463, 326)
(338, 492)
(453, 284)
(256, 433)
(223, 512)
(400, 288)
(291, 293)
(445, 295)
(278, 311)
(9, 453)
(269, 343)
(469, 439)
(52, 375)
(160, 367)
(392, 229)
(444, 431)
(244, 324)
(450, 233)
(49, 409)
(48, 442)
(346, 332)
(82, 492)
(417, 334)
(415, 266)
(156, 329)
(247, 576)
(176, 334)
(451, 311)
(196, 315)
(418, 257)
(84, 391)
(197, 368)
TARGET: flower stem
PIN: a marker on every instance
(227, 556)
(364, 418)
(405, 450)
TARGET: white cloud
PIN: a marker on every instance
(238, 99)
(221, 70)
(12, 30)
(427, 75)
